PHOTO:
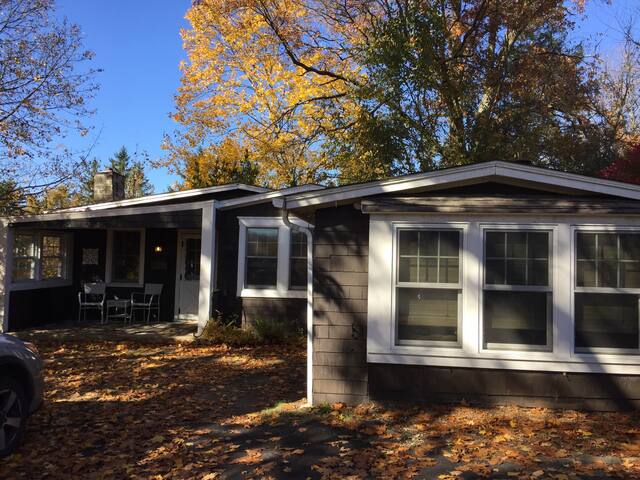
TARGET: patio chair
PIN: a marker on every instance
(92, 297)
(147, 301)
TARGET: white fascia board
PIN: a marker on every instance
(487, 170)
(161, 197)
(266, 197)
(49, 217)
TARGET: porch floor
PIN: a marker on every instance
(165, 332)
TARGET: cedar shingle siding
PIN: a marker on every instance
(340, 264)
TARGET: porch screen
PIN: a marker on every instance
(261, 258)
(125, 265)
(607, 291)
(517, 290)
(428, 286)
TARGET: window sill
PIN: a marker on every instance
(271, 293)
(36, 284)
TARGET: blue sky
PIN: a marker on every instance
(137, 44)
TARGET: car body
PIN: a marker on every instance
(21, 389)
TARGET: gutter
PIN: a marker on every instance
(309, 234)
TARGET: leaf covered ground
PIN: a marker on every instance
(123, 410)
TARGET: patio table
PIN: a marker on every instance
(119, 308)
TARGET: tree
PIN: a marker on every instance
(44, 91)
(227, 163)
(136, 182)
(626, 168)
(85, 176)
(364, 89)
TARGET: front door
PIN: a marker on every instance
(188, 286)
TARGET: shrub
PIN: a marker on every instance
(217, 332)
(273, 331)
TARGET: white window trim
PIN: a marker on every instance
(38, 281)
(426, 285)
(486, 347)
(109, 259)
(381, 346)
(282, 289)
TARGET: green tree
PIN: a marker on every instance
(136, 182)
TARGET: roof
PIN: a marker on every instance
(468, 174)
(163, 197)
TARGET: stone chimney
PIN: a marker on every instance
(108, 186)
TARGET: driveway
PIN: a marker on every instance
(180, 411)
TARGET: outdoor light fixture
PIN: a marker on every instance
(157, 249)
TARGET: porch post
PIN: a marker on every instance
(207, 263)
(6, 245)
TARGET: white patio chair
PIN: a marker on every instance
(147, 301)
(92, 297)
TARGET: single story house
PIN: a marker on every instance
(495, 282)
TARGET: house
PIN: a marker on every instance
(495, 282)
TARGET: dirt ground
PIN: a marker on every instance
(178, 411)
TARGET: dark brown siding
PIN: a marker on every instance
(341, 249)
(43, 306)
(588, 391)
(247, 310)
(161, 267)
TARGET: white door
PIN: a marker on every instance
(188, 275)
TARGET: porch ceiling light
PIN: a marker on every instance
(157, 249)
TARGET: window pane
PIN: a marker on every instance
(495, 245)
(630, 274)
(23, 269)
(586, 273)
(429, 243)
(449, 244)
(586, 243)
(23, 246)
(495, 272)
(298, 244)
(538, 245)
(427, 314)
(607, 274)
(516, 272)
(606, 321)
(408, 269)
(51, 246)
(408, 243)
(192, 259)
(428, 270)
(126, 256)
(261, 272)
(52, 268)
(607, 246)
(538, 271)
(517, 244)
(515, 318)
(449, 268)
(630, 246)
(298, 274)
(262, 242)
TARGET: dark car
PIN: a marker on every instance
(21, 387)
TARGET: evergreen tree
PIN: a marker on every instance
(136, 182)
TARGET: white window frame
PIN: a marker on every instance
(281, 289)
(503, 228)
(591, 352)
(109, 260)
(381, 346)
(427, 286)
(38, 281)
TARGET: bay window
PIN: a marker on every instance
(517, 295)
(607, 291)
(428, 287)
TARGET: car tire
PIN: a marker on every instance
(13, 415)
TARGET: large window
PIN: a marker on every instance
(126, 256)
(298, 260)
(261, 258)
(39, 256)
(428, 287)
(517, 290)
(607, 291)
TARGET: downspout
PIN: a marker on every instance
(309, 234)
